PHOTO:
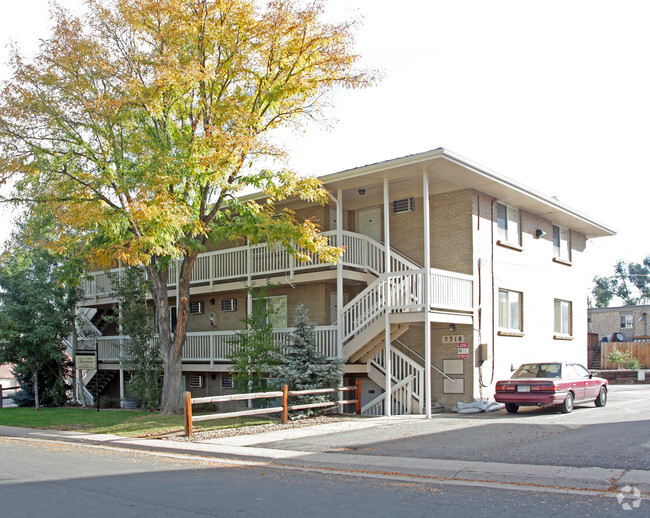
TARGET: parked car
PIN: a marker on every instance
(546, 384)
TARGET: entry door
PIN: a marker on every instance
(370, 223)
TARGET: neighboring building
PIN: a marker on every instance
(7, 378)
(438, 251)
(629, 321)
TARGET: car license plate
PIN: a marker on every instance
(523, 388)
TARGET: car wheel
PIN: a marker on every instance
(512, 408)
(567, 406)
(601, 400)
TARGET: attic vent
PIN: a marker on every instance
(196, 381)
(229, 305)
(405, 205)
(196, 308)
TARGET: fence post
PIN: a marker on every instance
(1, 397)
(187, 400)
(285, 404)
(359, 397)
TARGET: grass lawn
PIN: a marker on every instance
(131, 423)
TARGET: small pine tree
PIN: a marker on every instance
(304, 367)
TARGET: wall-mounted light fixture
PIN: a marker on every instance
(539, 233)
(452, 328)
(212, 302)
(362, 192)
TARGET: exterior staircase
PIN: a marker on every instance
(364, 333)
(596, 362)
(98, 377)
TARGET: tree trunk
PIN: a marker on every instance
(171, 346)
(36, 401)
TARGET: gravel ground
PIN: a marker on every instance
(271, 427)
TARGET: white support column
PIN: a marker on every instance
(121, 387)
(427, 296)
(249, 268)
(339, 275)
(387, 344)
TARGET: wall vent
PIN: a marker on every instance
(196, 381)
(229, 305)
(196, 308)
(405, 205)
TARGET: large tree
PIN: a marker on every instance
(139, 124)
(630, 283)
(37, 310)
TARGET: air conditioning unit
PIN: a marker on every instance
(229, 305)
(196, 308)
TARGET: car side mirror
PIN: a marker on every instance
(591, 375)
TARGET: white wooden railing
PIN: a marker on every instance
(212, 345)
(401, 292)
(402, 367)
(262, 260)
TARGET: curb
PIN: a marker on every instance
(529, 475)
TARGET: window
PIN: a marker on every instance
(226, 382)
(561, 248)
(508, 223)
(562, 317)
(405, 205)
(510, 310)
(626, 321)
(274, 309)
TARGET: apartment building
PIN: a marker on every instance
(452, 275)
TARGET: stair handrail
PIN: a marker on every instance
(372, 303)
(381, 367)
(394, 388)
(416, 354)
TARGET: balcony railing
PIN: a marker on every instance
(211, 346)
(261, 260)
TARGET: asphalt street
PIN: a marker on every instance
(62, 480)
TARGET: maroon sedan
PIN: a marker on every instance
(545, 384)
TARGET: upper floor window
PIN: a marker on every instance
(508, 223)
(563, 317)
(561, 246)
(271, 310)
(626, 321)
(510, 306)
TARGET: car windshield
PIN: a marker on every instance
(538, 370)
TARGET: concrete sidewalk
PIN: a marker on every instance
(558, 477)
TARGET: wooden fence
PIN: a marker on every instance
(638, 350)
(284, 394)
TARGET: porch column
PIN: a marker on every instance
(427, 296)
(249, 267)
(387, 345)
(339, 275)
(121, 387)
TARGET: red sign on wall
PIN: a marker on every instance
(463, 351)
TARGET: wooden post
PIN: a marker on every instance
(285, 404)
(187, 400)
(359, 397)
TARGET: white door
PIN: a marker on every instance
(370, 223)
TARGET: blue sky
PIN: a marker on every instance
(554, 94)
